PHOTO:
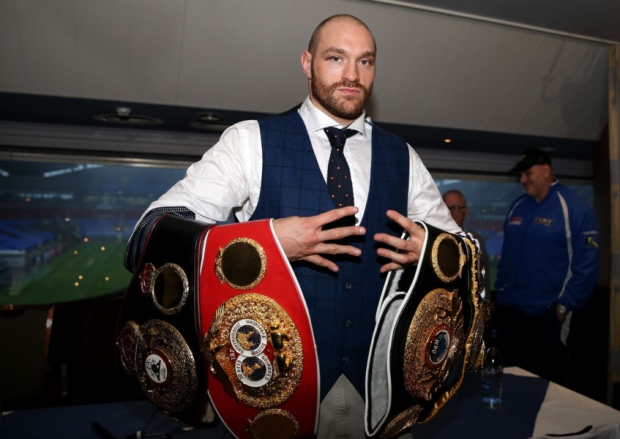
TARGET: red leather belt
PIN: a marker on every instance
(258, 341)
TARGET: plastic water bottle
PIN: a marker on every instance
(492, 374)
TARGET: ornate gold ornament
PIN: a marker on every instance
(255, 350)
(127, 343)
(402, 421)
(241, 264)
(165, 366)
(434, 339)
(481, 312)
(169, 288)
(273, 424)
(146, 278)
(447, 258)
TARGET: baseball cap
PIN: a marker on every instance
(530, 157)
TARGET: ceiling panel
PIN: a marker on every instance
(12, 76)
(209, 47)
(103, 32)
(242, 57)
(46, 32)
(157, 29)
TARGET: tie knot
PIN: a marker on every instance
(337, 136)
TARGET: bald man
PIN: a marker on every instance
(277, 168)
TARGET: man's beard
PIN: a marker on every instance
(346, 107)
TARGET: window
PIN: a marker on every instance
(488, 201)
(64, 225)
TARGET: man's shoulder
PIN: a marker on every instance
(522, 200)
(573, 199)
(291, 113)
(289, 120)
(384, 136)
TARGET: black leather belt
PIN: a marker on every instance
(428, 334)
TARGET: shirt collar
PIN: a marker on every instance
(316, 120)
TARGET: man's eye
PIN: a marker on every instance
(335, 58)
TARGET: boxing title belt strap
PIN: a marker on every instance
(158, 342)
(258, 340)
(428, 333)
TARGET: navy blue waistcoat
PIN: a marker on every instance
(342, 305)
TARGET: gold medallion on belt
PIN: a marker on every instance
(254, 349)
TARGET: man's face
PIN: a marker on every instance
(457, 207)
(536, 181)
(342, 70)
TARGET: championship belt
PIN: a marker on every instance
(158, 342)
(429, 332)
(214, 315)
(258, 339)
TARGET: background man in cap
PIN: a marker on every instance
(549, 267)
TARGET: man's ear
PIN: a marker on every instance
(306, 63)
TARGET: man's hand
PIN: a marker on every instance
(406, 252)
(303, 238)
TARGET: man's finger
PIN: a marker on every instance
(390, 266)
(396, 242)
(335, 214)
(321, 262)
(411, 227)
(336, 249)
(338, 233)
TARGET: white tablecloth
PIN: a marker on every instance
(564, 411)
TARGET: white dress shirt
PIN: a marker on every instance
(228, 177)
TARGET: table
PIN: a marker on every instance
(552, 409)
(118, 420)
(564, 411)
(533, 408)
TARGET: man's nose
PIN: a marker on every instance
(351, 73)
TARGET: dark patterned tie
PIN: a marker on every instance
(338, 173)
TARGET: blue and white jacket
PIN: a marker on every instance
(550, 253)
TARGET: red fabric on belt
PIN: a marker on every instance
(279, 283)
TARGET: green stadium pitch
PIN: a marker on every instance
(87, 270)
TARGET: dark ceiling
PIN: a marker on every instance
(482, 73)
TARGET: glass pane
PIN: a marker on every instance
(488, 201)
(64, 226)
